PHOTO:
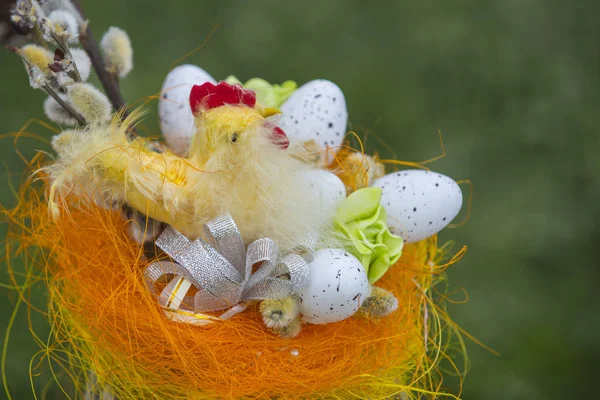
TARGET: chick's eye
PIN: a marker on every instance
(233, 138)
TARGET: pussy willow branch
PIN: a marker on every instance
(86, 38)
(108, 80)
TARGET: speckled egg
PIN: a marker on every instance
(176, 119)
(419, 203)
(328, 190)
(338, 286)
(316, 111)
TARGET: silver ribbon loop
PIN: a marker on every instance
(222, 271)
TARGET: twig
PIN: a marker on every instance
(38, 37)
(64, 47)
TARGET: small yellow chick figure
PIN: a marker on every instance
(236, 164)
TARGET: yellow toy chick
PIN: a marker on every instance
(237, 163)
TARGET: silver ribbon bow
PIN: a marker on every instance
(222, 269)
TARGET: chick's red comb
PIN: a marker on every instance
(208, 95)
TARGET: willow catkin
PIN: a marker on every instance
(65, 24)
(38, 57)
(83, 62)
(118, 53)
(90, 102)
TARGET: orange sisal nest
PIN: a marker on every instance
(104, 320)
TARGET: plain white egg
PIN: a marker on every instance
(328, 190)
(176, 119)
(338, 286)
(419, 203)
(316, 111)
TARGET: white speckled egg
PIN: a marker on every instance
(419, 203)
(316, 111)
(176, 119)
(338, 286)
(328, 190)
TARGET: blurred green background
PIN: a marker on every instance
(512, 84)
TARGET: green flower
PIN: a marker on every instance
(361, 219)
(267, 95)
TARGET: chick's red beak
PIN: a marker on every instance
(278, 136)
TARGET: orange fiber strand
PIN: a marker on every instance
(197, 48)
(104, 320)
